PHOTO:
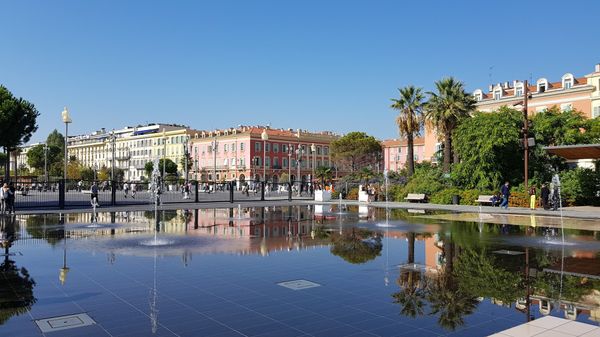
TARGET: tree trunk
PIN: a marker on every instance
(455, 158)
(411, 247)
(410, 156)
(7, 166)
(447, 152)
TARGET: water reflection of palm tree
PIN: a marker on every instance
(445, 296)
(357, 246)
(412, 294)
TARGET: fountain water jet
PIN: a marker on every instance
(155, 194)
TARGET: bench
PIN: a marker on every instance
(485, 199)
(415, 197)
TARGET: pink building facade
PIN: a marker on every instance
(241, 154)
(395, 151)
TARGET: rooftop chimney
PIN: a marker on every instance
(597, 68)
(491, 87)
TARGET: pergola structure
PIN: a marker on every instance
(575, 152)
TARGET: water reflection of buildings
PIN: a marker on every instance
(582, 264)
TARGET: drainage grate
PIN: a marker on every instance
(508, 252)
(64, 322)
(298, 284)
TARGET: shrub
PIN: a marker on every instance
(468, 197)
(518, 199)
(444, 196)
(427, 179)
(580, 187)
(352, 194)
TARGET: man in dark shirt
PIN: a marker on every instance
(545, 194)
(505, 191)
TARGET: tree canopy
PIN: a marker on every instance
(170, 167)
(410, 119)
(357, 150)
(489, 146)
(445, 110)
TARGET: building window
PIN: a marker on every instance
(284, 148)
(318, 150)
(325, 150)
(267, 161)
(225, 147)
(267, 147)
(225, 162)
(497, 94)
(542, 85)
(233, 147)
(596, 112)
(285, 162)
(275, 148)
(257, 146)
(241, 146)
(275, 162)
(519, 91)
(567, 81)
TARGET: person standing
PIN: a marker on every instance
(505, 191)
(10, 199)
(94, 195)
(544, 194)
(532, 192)
(3, 196)
(133, 190)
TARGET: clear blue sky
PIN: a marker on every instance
(309, 64)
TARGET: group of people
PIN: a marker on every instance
(549, 196)
(7, 197)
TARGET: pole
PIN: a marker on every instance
(185, 153)
(46, 163)
(214, 148)
(264, 161)
(525, 135)
(164, 157)
(66, 144)
(112, 164)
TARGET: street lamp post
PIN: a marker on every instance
(185, 153)
(113, 142)
(299, 153)
(46, 163)
(313, 149)
(164, 138)
(264, 136)
(214, 149)
(290, 162)
(525, 133)
(66, 118)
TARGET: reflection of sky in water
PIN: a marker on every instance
(227, 272)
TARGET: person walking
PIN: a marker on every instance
(532, 192)
(10, 199)
(125, 189)
(544, 194)
(505, 191)
(133, 190)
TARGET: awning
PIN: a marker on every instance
(572, 152)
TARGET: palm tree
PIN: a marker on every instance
(323, 173)
(445, 109)
(409, 120)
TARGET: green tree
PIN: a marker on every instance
(323, 173)
(489, 145)
(54, 157)
(409, 120)
(56, 139)
(357, 150)
(87, 174)
(445, 110)
(190, 162)
(18, 121)
(555, 127)
(356, 246)
(170, 167)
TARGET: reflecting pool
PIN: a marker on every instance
(293, 271)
